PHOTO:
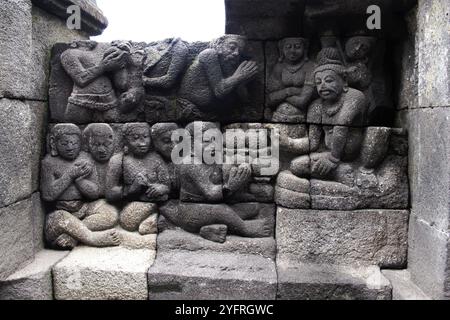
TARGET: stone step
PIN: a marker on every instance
(298, 281)
(34, 282)
(207, 275)
(402, 286)
(114, 273)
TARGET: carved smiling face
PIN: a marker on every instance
(329, 85)
(293, 50)
(68, 146)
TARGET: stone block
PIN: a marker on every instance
(20, 148)
(34, 282)
(103, 274)
(262, 19)
(38, 219)
(15, 55)
(433, 53)
(367, 237)
(428, 256)
(402, 286)
(16, 237)
(182, 240)
(429, 166)
(205, 275)
(297, 281)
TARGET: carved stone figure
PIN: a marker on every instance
(164, 64)
(162, 140)
(290, 85)
(216, 77)
(93, 97)
(204, 184)
(139, 175)
(68, 178)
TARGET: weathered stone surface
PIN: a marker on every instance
(343, 237)
(134, 240)
(262, 19)
(182, 240)
(34, 282)
(103, 274)
(402, 286)
(429, 165)
(38, 218)
(21, 144)
(16, 237)
(47, 30)
(16, 40)
(428, 254)
(433, 40)
(179, 275)
(93, 21)
(298, 281)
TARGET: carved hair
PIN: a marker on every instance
(89, 44)
(329, 59)
(96, 129)
(203, 125)
(281, 44)
(217, 43)
(59, 131)
(161, 128)
(128, 128)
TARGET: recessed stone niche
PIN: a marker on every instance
(336, 208)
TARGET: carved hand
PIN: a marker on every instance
(81, 170)
(246, 71)
(156, 191)
(239, 176)
(324, 165)
(141, 180)
(114, 60)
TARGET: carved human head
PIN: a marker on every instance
(65, 141)
(207, 143)
(330, 75)
(293, 50)
(229, 47)
(99, 141)
(162, 138)
(137, 138)
(359, 47)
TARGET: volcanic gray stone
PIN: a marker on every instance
(297, 281)
(103, 274)
(429, 165)
(263, 19)
(182, 240)
(16, 40)
(16, 237)
(428, 257)
(367, 237)
(38, 218)
(21, 148)
(433, 58)
(34, 282)
(402, 286)
(203, 275)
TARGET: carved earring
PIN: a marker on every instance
(53, 151)
(345, 88)
(125, 149)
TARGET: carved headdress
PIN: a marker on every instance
(329, 59)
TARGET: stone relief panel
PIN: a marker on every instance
(110, 173)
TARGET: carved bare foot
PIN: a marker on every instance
(108, 238)
(149, 225)
(257, 228)
(216, 233)
(65, 241)
(366, 179)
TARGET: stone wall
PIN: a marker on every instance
(28, 31)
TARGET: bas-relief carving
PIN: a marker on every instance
(330, 157)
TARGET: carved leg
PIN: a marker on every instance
(101, 216)
(149, 225)
(215, 233)
(77, 114)
(135, 213)
(62, 222)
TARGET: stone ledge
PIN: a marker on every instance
(93, 21)
(34, 282)
(103, 274)
(366, 237)
(206, 275)
(330, 282)
(402, 286)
